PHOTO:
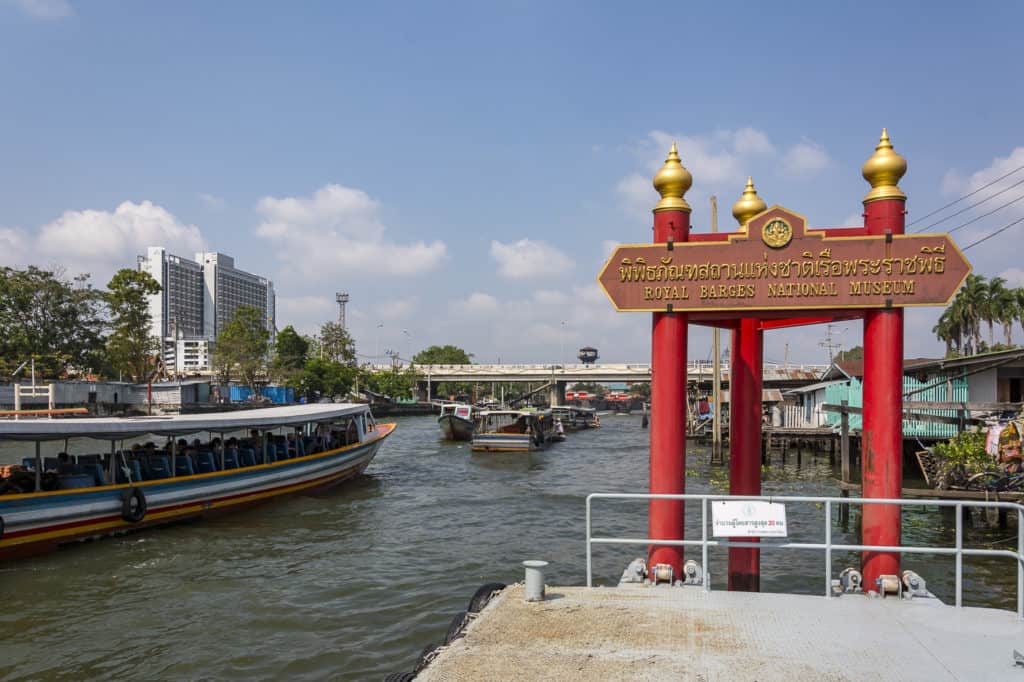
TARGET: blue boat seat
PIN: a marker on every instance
(297, 447)
(309, 445)
(96, 470)
(89, 459)
(205, 463)
(281, 450)
(133, 466)
(158, 466)
(230, 458)
(29, 463)
(50, 463)
(75, 481)
(270, 456)
(183, 466)
(248, 457)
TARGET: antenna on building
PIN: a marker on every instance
(831, 344)
(342, 298)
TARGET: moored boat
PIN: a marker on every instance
(576, 418)
(49, 502)
(513, 431)
(458, 421)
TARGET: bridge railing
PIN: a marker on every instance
(694, 367)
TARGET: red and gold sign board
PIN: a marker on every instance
(779, 264)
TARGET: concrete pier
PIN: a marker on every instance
(644, 633)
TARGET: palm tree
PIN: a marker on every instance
(948, 331)
(1019, 295)
(1004, 306)
(972, 298)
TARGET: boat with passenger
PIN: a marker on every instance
(513, 431)
(576, 418)
(247, 457)
(458, 421)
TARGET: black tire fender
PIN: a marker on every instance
(426, 656)
(133, 505)
(457, 629)
(400, 677)
(483, 595)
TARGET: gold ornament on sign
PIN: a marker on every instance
(884, 170)
(672, 181)
(749, 205)
(776, 233)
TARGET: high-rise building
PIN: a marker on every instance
(197, 299)
(226, 288)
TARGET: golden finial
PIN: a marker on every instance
(749, 204)
(884, 170)
(672, 181)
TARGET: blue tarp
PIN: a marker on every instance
(279, 395)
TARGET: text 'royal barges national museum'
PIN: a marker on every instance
(196, 300)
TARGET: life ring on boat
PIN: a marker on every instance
(133, 505)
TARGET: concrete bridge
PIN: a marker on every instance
(560, 376)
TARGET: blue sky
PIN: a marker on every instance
(462, 168)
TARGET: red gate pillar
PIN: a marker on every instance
(745, 416)
(668, 379)
(882, 432)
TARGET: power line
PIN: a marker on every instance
(985, 215)
(974, 205)
(988, 237)
(966, 196)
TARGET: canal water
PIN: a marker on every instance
(352, 584)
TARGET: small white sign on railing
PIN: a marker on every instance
(748, 518)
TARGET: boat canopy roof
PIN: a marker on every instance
(117, 428)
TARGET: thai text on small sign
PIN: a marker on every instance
(748, 518)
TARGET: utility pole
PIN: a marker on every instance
(830, 344)
(716, 369)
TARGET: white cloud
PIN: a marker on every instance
(1013, 276)
(852, 220)
(476, 304)
(720, 161)
(550, 297)
(212, 200)
(805, 157)
(337, 228)
(637, 191)
(100, 242)
(954, 183)
(45, 9)
(395, 309)
(527, 258)
(305, 313)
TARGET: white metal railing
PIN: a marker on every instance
(694, 366)
(958, 550)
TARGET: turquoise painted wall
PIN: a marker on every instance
(853, 392)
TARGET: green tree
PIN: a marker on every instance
(395, 382)
(336, 344)
(44, 316)
(290, 354)
(131, 347)
(242, 347)
(855, 353)
(323, 378)
(443, 355)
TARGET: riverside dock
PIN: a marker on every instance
(686, 633)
